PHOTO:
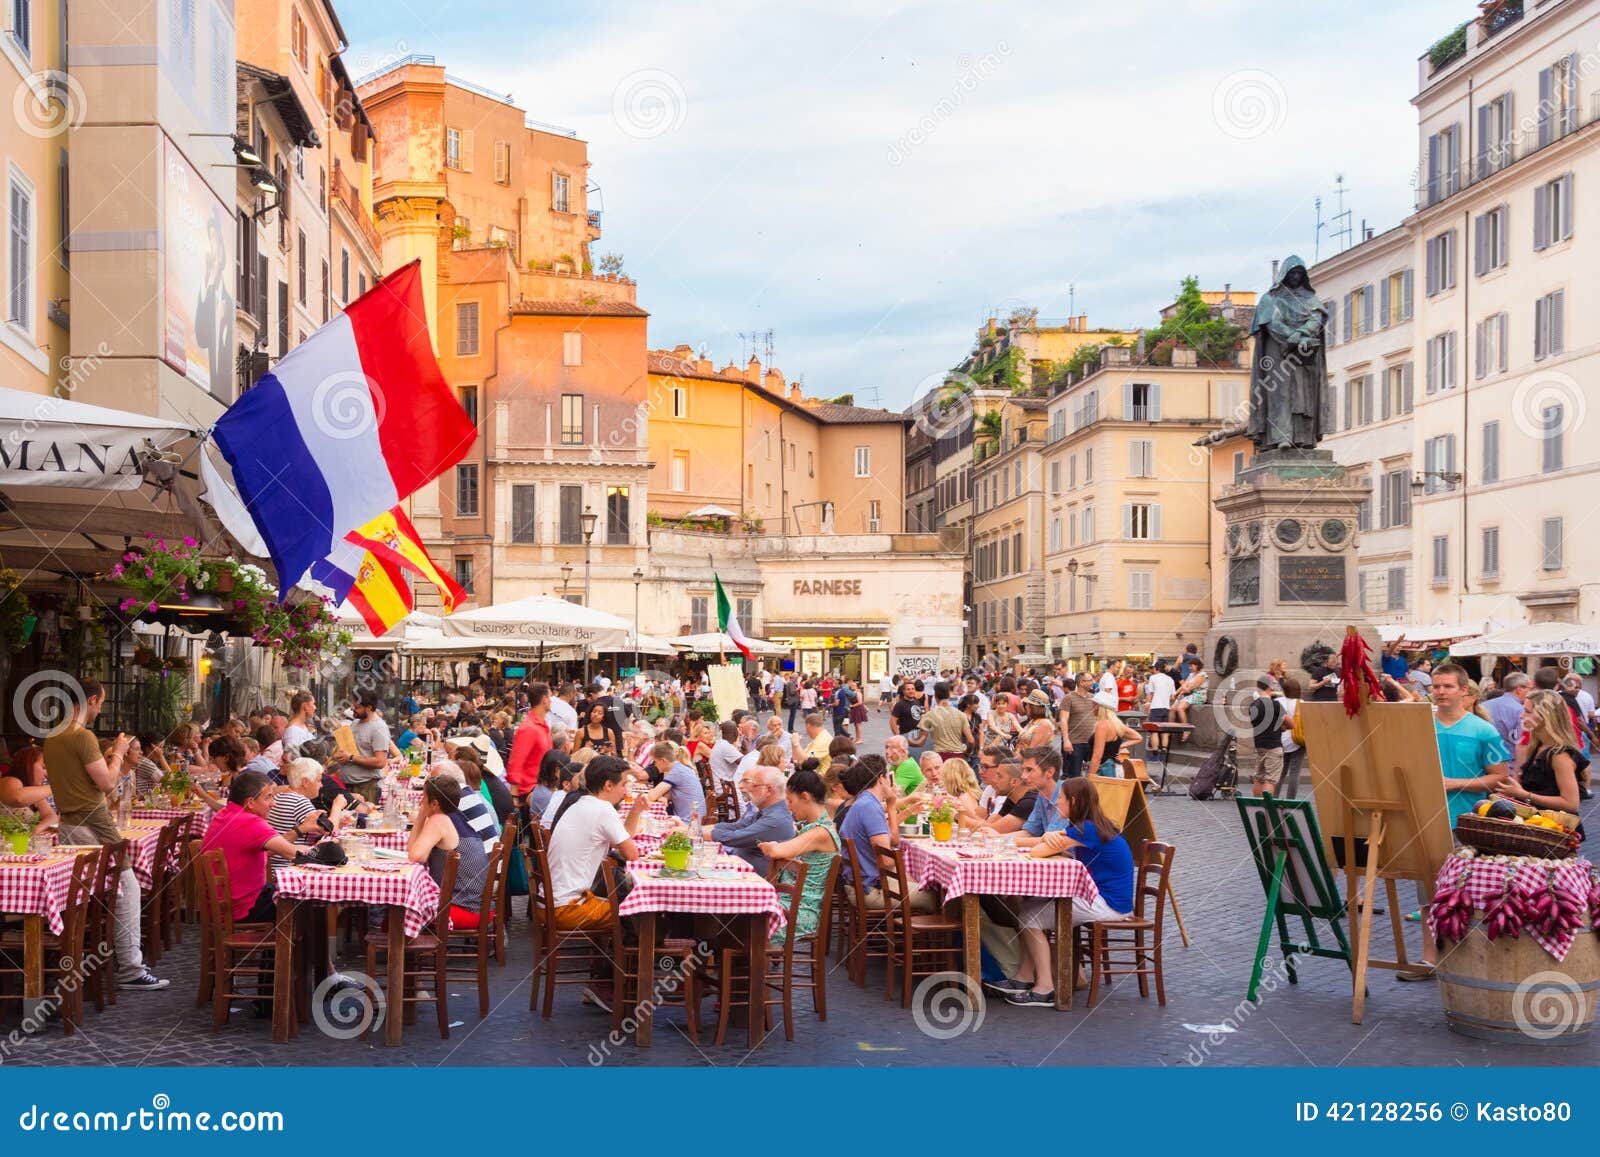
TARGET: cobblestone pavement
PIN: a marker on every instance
(1217, 888)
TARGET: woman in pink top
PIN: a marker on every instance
(240, 831)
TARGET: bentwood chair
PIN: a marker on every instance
(811, 952)
(680, 981)
(560, 956)
(159, 914)
(509, 839)
(102, 910)
(468, 949)
(424, 966)
(243, 955)
(1130, 947)
(63, 952)
(915, 938)
(733, 974)
(869, 927)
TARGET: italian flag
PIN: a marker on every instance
(728, 622)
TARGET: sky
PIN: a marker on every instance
(870, 179)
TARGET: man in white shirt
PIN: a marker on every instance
(1573, 685)
(562, 708)
(983, 700)
(725, 754)
(886, 689)
(1159, 692)
(1105, 691)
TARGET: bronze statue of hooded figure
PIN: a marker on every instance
(1289, 369)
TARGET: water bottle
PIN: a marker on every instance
(694, 827)
(125, 801)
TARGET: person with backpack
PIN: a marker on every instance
(790, 699)
(843, 700)
(1261, 747)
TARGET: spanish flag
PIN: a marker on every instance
(381, 592)
(391, 537)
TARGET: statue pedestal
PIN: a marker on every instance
(1292, 580)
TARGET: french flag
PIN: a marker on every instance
(348, 423)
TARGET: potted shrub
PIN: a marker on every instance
(675, 851)
(176, 784)
(940, 821)
(16, 831)
(708, 709)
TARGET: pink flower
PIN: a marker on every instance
(152, 604)
(116, 571)
(188, 541)
(184, 595)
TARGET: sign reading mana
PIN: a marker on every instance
(847, 587)
(109, 464)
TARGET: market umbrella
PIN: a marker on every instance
(542, 619)
(712, 642)
(1535, 639)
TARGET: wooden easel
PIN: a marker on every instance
(1123, 802)
(1380, 796)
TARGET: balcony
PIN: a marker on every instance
(345, 193)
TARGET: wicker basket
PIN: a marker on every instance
(1505, 838)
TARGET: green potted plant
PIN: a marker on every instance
(941, 818)
(177, 784)
(675, 851)
(708, 709)
(17, 830)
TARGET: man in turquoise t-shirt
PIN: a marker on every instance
(1471, 753)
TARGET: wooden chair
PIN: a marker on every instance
(729, 806)
(733, 974)
(1130, 947)
(425, 958)
(467, 950)
(102, 910)
(534, 840)
(581, 950)
(63, 952)
(633, 991)
(159, 915)
(869, 927)
(913, 936)
(509, 838)
(811, 952)
(243, 955)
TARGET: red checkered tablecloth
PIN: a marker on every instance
(199, 818)
(746, 894)
(142, 836)
(1053, 878)
(37, 889)
(1484, 880)
(395, 841)
(410, 887)
(658, 808)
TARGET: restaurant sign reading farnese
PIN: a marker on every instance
(849, 588)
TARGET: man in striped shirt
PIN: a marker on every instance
(293, 814)
(474, 812)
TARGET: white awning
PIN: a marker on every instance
(49, 441)
(542, 619)
(712, 511)
(1436, 632)
(1535, 639)
(711, 642)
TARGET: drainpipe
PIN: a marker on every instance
(483, 401)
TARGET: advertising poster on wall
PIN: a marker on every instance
(196, 231)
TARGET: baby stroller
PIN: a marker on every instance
(1219, 774)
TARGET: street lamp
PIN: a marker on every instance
(638, 577)
(566, 577)
(587, 519)
(1419, 479)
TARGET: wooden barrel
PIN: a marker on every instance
(1513, 991)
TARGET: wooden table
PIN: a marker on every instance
(967, 877)
(37, 891)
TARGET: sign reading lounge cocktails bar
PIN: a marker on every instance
(1311, 579)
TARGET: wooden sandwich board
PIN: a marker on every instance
(1124, 804)
(1380, 799)
(1286, 846)
(728, 689)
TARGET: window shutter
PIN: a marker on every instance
(1405, 295)
(1482, 163)
(1545, 89)
(1135, 459)
(1366, 309)
(466, 150)
(1541, 217)
(1350, 403)
(1127, 520)
(1155, 520)
(1433, 365)
(1566, 206)
(1127, 401)
(1507, 144)
(1348, 313)
(1368, 408)
(1447, 271)
(1402, 503)
(1557, 313)
(1383, 502)
(1433, 169)
(1449, 453)
(1383, 304)
(1332, 330)
(1430, 259)
(1405, 388)
(1387, 403)
(1480, 338)
(1480, 235)
(1155, 401)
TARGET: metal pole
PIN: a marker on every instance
(588, 550)
(636, 663)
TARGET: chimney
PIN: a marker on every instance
(796, 394)
(1274, 271)
(702, 365)
(752, 370)
(682, 352)
(774, 381)
(1227, 293)
(1083, 323)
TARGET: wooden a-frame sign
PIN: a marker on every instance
(1124, 804)
(1380, 799)
(1287, 849)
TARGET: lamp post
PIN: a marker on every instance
(638, 577)
(588, 519)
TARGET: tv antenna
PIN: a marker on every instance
(758, 343)
(1342, 229)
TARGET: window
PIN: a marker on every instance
(1055, 479)
(680, 470)
(1496, 138)
(1394, 499)
(1005, 556)
(811, 469)
(1489, 346)
(1088, 465)
(1331, 309)
(1358, 313)
(1441, 263)
(1552, 539)
(461, 233)
(699, 614)
(1558, 99)
(1553, 455)
(327, 290)
(1016, 613)
(1141, 590)
(22, 26)
(1072, 472)
(1552, 212)
(1443, 164)
(1141, 458)
(297, 38)
(1397, 588)
(1019, 560)
(1549, 325)
(1397, 390)
(1141, 520)
(570, 529)
(464, 574)
(1141, 402)
(1005, 615)
(572, 419)
(1490, 241)
(1072, 592)
(558, 192)
(458, 149)
(1088, 525)
(344, 276)
(863, 461)
(572, 348)
(1364, 510)
(524, 513)
(1055, 595)
(502, 162)
(361, 283)
(617, 531)
(300, 267)
(746, 610)
(468, 396)
(1442, 362)
(1441, 559)
(1438, 458)
(1055, 534)
(1088, 592)
(466, 329)
(680, 402)
(467, 489)
(1394, 302)
(1360, 402)
(1491, 453)
(19, 280)
(1491, 552)
(1238, 464)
